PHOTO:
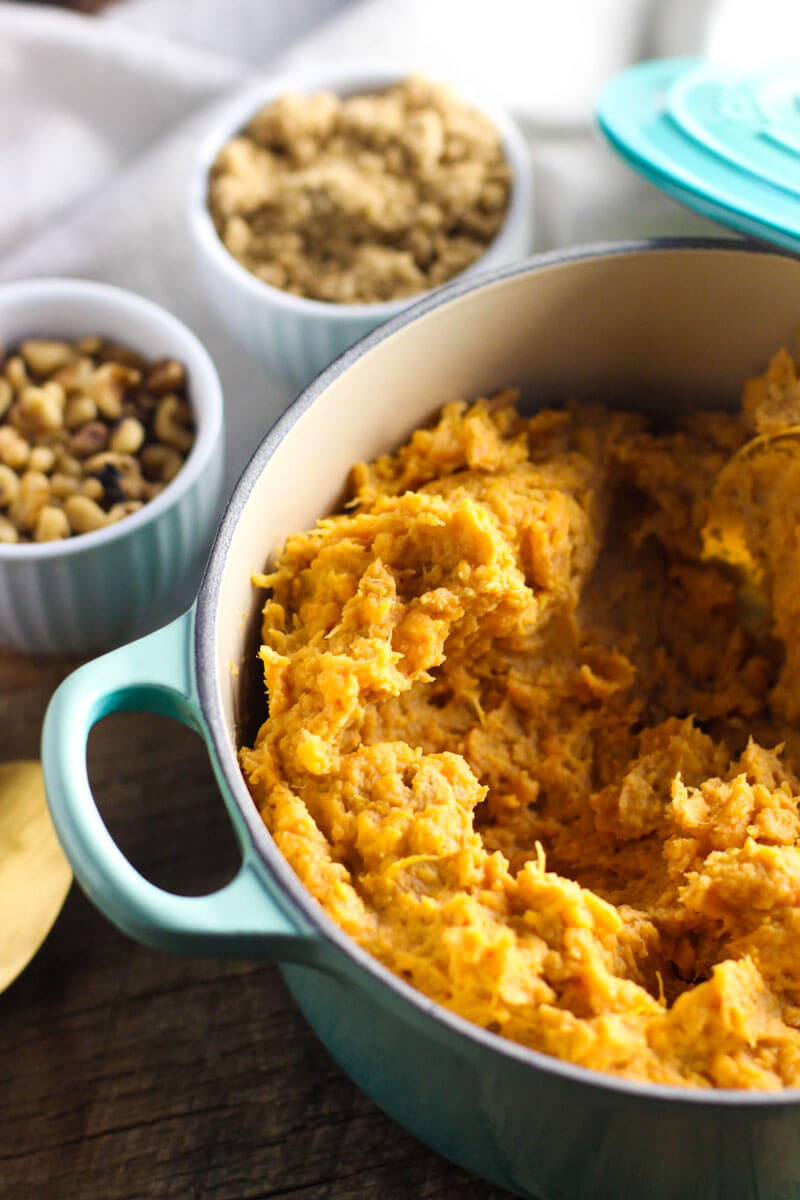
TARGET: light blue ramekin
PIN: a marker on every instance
(295, 338)
(88, 593)
(653, 325)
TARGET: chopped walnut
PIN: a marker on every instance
(89, 432)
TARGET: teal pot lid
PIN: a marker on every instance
(724, 140)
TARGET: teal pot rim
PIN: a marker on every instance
(324, 929)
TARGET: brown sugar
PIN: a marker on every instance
(361, 199)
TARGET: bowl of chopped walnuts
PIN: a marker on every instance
(111, 462)
(322, 204)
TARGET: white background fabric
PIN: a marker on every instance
(99, 118)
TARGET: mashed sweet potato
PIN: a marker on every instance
(526, 745)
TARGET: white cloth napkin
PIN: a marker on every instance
(99, 118)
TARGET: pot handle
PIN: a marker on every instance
(244, 918)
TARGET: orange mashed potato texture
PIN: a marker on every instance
(528, 744)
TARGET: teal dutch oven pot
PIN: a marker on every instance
(655, 325)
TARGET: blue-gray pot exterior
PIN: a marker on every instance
(535, 1132)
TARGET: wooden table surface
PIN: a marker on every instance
(127, 1073)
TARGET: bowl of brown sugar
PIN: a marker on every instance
(320, 206)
